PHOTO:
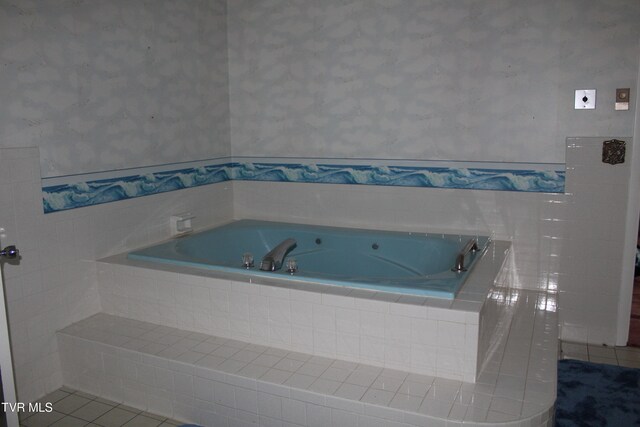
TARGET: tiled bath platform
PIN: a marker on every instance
(217, 381)
(430, 336)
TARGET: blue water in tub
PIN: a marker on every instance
(399, 262)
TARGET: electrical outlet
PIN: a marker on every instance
(585, 99)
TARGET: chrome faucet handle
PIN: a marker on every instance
(247, 260)
(292, 266)
(10, 252)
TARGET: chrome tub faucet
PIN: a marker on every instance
(273, 260)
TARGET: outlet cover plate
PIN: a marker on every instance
(585, 99)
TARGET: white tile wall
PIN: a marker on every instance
(568, 243)
(55, 282)
(590, 273)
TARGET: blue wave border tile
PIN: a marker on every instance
(76, 195)
(546, 181)
(93, 192)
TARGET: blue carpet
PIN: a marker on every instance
(591, 394)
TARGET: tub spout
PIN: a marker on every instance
(273, 260)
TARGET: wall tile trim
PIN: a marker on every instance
(78, 191)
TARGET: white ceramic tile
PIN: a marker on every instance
(266, 360)
(312, 369)
(246, 356)
(397, 355)
(209, 361)
(406, 402)
(347, 321)
(324, 342)
(350, 391)
(336, 374)
(397, 328)
(424, 332)
(279, 310)
(324, 386)
(372, 348)
(505, 406)
(435, 408)
(445, 393)
(424, 356)
(317, 415)
(324, 317)
(294, 411)
(372, 324)
(280, 334)
(348, 346)
(247, 400)
(287, 364)
(276, 376)
(387, 383)
(183, 384)
(269, 405)
(412, 388)
(341, 418)
(231, 366)
(253, 371)
(300, 380)
(378, 397)
(203, 389)
(302, 338)
(302, 313)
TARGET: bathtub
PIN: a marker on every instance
(397, 262)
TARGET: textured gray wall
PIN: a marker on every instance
(477, 80)
(110, 84)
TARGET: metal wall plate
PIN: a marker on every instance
(585, 99)
(622, 99)
(613, 151)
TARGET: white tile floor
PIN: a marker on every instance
(73, 408)
(620, 356)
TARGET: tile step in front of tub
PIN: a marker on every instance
(219, 381)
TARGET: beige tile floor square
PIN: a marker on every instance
(628, 357)
(73, 408)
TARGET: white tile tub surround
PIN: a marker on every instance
(224, 382)
(430, 336)
(55, 282)
(568, 243)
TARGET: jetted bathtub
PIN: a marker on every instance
(398, 262)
